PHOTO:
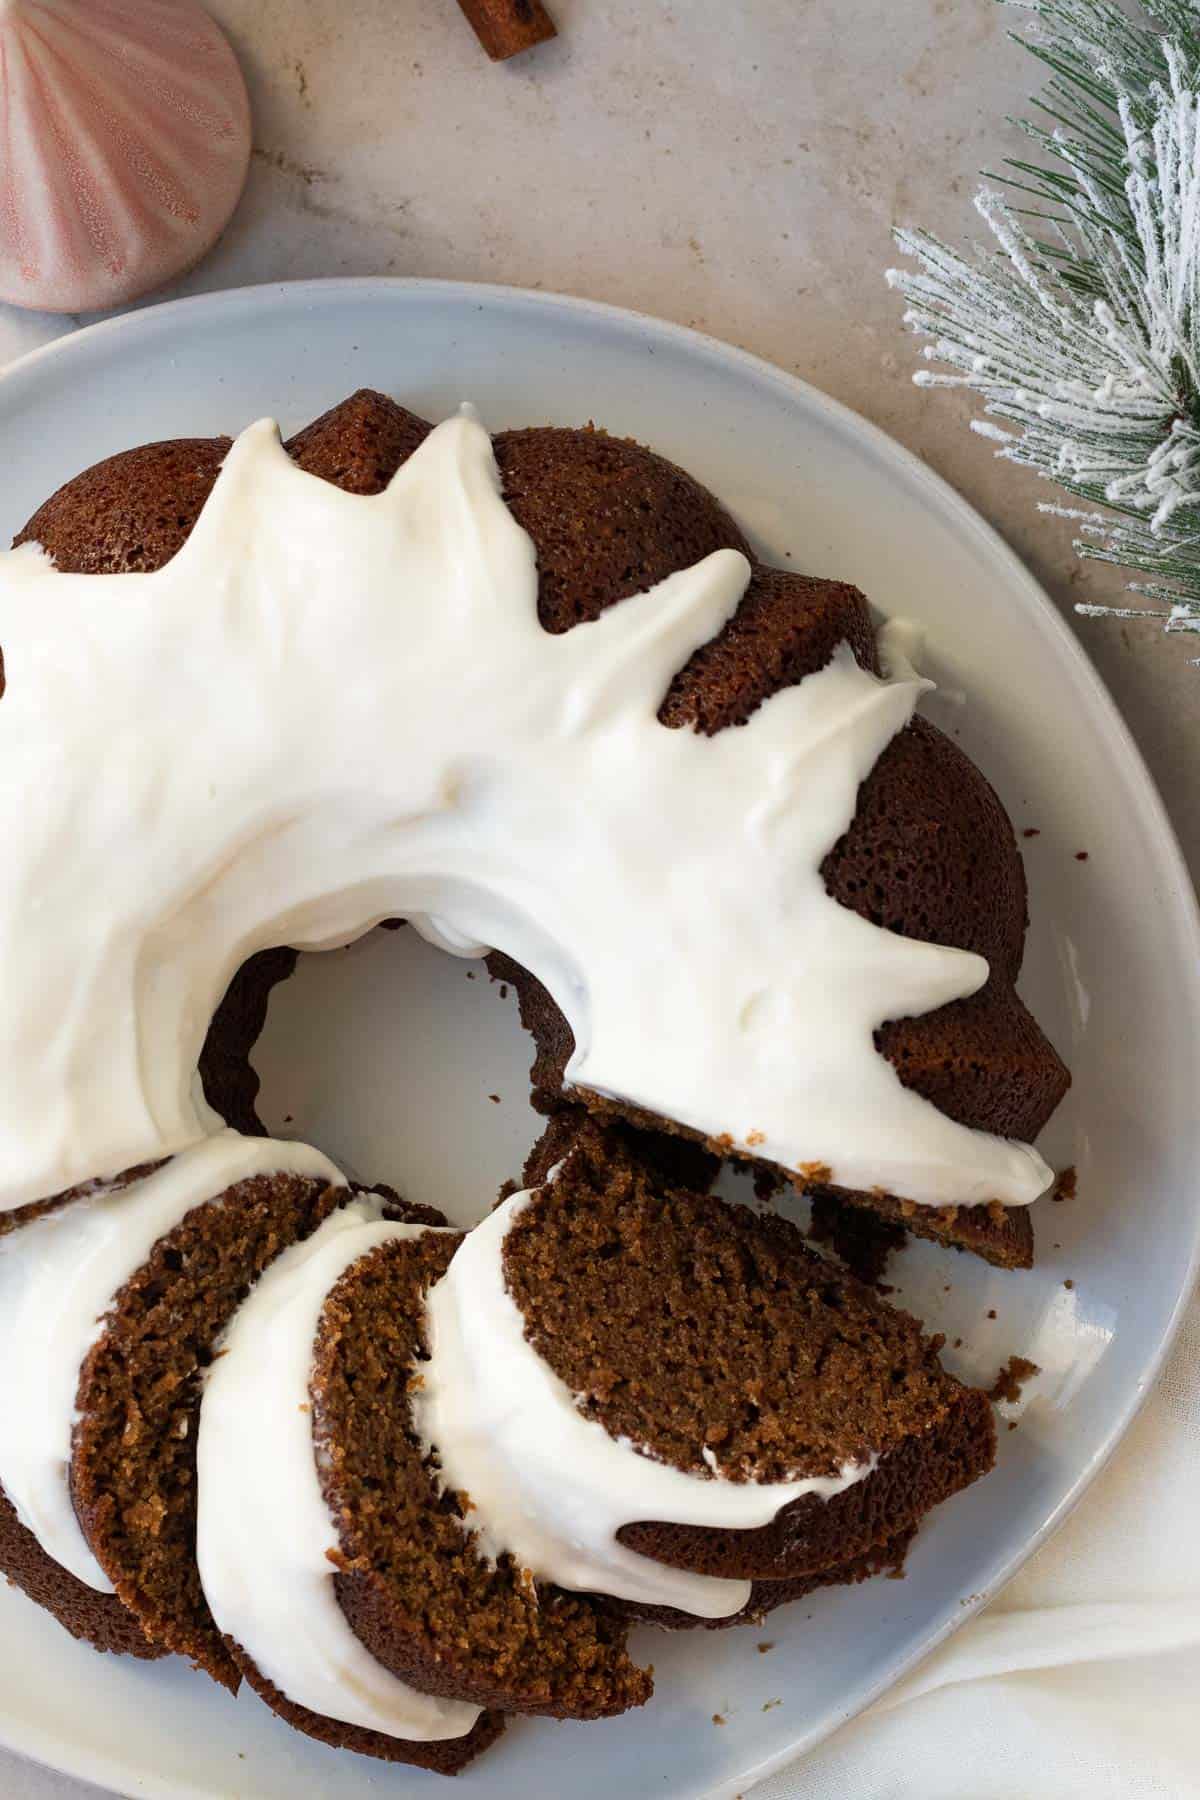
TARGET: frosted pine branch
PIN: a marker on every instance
(1079, 326)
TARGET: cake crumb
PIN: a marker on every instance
(718, 1719)
(1031, 831)
(495, 1099)
(815, 1171)
(1081, 856)
(763, 1648)
(1012, 1424)
(768, 1704)
(470, 974)
(992, 1313)
(957, 1345)
(1068, 1284)
(1009, 1382)
(1064, 1187)
(754, 1138)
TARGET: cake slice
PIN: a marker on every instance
(100, 1376)
(133, 1461)
(715, 1342)
(321, 1532)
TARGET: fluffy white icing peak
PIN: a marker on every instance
(547, 1484)
(58, 1278)
(263, 1530)
(330, 708)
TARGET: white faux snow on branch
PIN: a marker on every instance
(1083, 335)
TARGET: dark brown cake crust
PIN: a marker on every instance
(814, 1534)
(229, 1078)
(412, 1586)
(444, 1756)
(1002, 1236)
(863, 1240)
(930, 852)
(705, 1331)
(767, 1596)
(25, 1215)
(674, 1161)
(95, 1618)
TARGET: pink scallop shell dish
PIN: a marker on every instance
(124, 144)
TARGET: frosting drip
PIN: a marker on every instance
(59, 1276)
(547, 1484)
(677, 916)
(263, 1530)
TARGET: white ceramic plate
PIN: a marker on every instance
(388, 1054)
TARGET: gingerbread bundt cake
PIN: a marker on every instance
(947, 1082)
(535, 696)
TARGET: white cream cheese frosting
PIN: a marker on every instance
(59, 1276)
(263, 1530)
(547, 1484)
(330, 708)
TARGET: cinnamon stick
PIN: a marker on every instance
(506, 27)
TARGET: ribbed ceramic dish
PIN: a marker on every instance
(387, 1054)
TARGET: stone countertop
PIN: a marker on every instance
(736, 168)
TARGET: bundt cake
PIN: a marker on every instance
(535, 696)
(917, 1114)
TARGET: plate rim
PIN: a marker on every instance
(31, 1741)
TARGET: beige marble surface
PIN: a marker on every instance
(733, 164)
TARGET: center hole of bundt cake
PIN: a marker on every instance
(404, 1064)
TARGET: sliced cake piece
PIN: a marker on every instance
(267, 1543)
(71, 1278)
(929, 852)
(323, 1543)
(133, 1461)
(661, 1346)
